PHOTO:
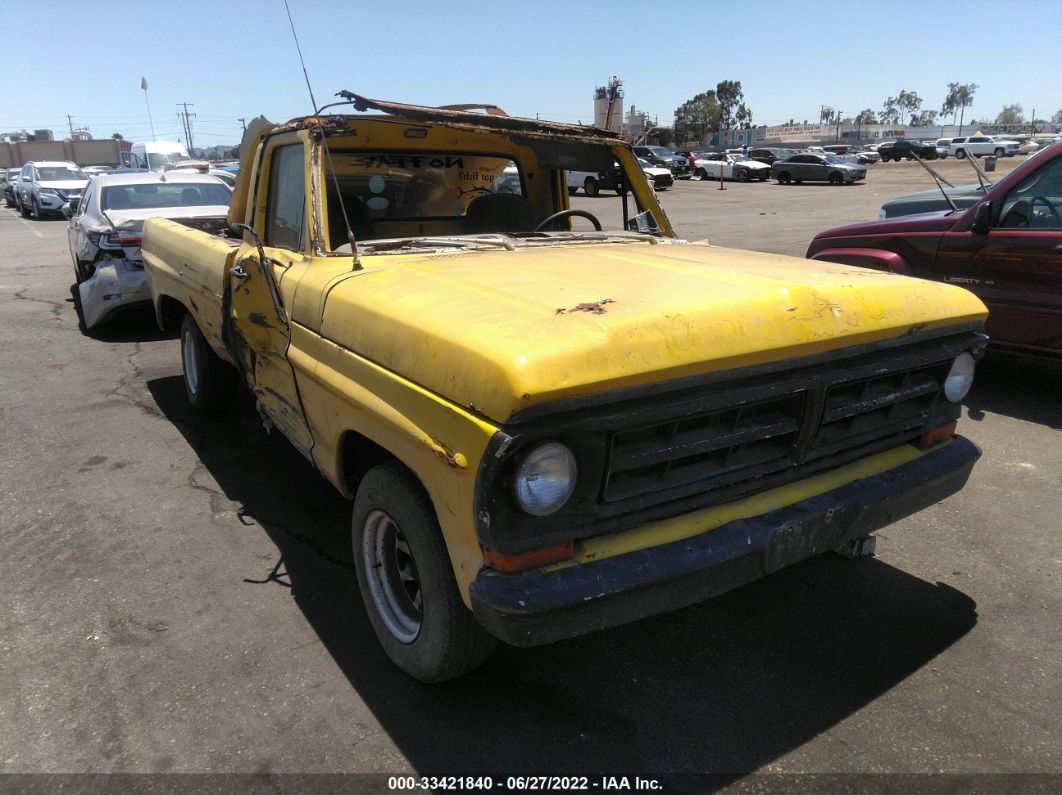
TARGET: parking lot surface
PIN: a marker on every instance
(178, 595)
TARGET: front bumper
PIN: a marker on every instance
(114, 285)
(549, 605)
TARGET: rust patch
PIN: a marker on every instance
(593, 308)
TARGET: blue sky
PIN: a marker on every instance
(231, 58)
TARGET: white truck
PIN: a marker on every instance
(981, 145)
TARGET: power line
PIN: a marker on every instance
(186, 118)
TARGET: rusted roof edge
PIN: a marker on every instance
(494, 122)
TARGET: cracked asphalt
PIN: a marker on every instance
(178, 595)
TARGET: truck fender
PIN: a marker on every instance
(878, 259)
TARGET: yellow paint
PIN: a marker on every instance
(427, 354)
(483, 328)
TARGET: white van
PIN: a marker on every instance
(154, 155)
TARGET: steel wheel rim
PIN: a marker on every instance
(191, 363)
(392, 576)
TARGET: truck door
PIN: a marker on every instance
(258, 323)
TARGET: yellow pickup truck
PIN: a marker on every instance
(545, 428)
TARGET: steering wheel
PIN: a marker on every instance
(569, 214)
(1046, 203)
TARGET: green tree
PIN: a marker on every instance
(958, 99)
(117, 136)
(866, 116)
(731, 99)
(1011, 114)
(890, 113)
(924, 118)
(698, 116)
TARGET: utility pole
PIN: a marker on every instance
(186, 118)
(837, 137)
(70, 123)
(244, 123)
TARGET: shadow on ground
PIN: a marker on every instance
(1022, 388)
(724, 687)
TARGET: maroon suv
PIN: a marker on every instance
(1006, 248)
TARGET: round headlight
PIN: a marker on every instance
(960, 378)
(545, 479)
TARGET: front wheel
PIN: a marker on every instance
(743, 175)
(784, 178)
(406, 580)
(999, 152)
(960, 154)
(702, 173)
(590, 186)
(209, 381)
(836, 179)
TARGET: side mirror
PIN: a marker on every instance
(982, 220)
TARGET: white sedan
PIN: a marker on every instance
(732, 167)
(105, 227)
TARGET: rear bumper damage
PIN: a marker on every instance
(548, 605)
(114, 285)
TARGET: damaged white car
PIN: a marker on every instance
(105, 228)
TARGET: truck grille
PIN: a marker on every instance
(838, 417)
(703, 447)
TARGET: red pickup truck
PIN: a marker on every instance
(1006, 248)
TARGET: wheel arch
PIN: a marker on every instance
(876, 259)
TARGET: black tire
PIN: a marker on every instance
(999, 151)
(9, 202)
(702, 173)
(407, 582)
(784, 178)
(960, 154)
(836, 179)
(22, 209)
(36, 209)
(209, 381)
(590, 186)
(743, 175)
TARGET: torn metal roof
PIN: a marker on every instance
(489, 120)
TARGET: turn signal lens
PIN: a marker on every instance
(528, 560)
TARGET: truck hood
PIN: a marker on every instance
(928, 222)
(501, 331)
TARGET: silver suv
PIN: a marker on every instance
(44, 186)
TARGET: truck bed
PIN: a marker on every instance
(190, 265)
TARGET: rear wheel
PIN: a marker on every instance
(22, 209)
(999, 152)
(591, 187)
(702, 173)
(209, 381)
(784, 178)
(36, 209)
(960, 154)
(406, 580)
(836, 178)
